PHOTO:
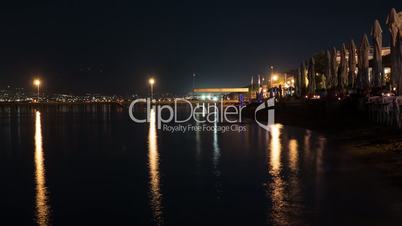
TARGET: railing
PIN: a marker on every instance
(385, 110)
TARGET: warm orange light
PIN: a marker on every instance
(36, 82)
(274, 77)
(42, 205)
(153, 165)
(151, 81)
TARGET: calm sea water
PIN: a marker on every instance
(94, 166)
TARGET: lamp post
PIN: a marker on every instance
(272, 73)
(151, 83)
(193, 85)
(37, 84)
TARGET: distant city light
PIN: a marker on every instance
(151, 81)
(274, 77)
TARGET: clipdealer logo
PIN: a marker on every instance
(208, 117)
(270, 104)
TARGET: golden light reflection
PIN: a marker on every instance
(276, 187)
(307, 145)
(154, 177)
(294, 190)
(275, 147)
(42, 207)
(320, 150)
(293, 155)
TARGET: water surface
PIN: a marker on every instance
(93, 166)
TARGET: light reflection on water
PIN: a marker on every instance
(307, 145)
(319, 169)
(42, 206)
(276, 187)
(285, 187)
(215, 158)
(154, 177)
(293, 154)
(275, 148)
(220, 174)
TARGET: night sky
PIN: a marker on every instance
(112, 47)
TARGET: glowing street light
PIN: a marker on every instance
(274, 78)
(272, 73)
(151, 83)
(37, 84)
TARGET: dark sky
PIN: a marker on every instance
(112, 46)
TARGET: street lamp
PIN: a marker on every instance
(151, 83)
(193, 84)
(37, 84)
(272, 73)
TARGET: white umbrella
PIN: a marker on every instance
(334, 68)
(342, 70)
(328, 70)
(378, 74)
(352, 65)
(399, 54)
(298, 82)
(394, 22)
(303, 78)
(311, 76)
(364, 63)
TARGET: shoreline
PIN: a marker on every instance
(377, 147)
